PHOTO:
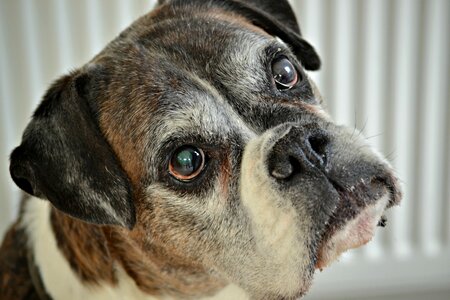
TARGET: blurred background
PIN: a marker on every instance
(386, 71)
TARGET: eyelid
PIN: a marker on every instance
(273, 51)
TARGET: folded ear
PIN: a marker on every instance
(277, 18)
(65, 158)
(279, 10)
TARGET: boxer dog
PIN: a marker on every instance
(190, 159)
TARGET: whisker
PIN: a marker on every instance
(374, 136)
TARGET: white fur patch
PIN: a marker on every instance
(275, 224)
(62, 283)
(355, 233)
(230, 292)
(58, 278)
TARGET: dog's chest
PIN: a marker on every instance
(59, 279)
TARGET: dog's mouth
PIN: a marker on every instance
(359, 211)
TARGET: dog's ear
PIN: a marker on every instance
(277, 18)
(279, 10)
(65, 158)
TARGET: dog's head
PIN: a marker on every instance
(199, 127)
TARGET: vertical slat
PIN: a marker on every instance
(344, 30)
(433, 125)
(94, 19)
(389, 66)
(300, 9)
(446, 164)
(415, 196)
(62, 38)
(359, 83)
(6, 124)
(405, 105)
(125, 13)
(33, 53)
(446, 195)
(46, 46)
(445, 100)
(374, 56)
(110, 26)
(18, 64)
(329, 55)
(78, 30)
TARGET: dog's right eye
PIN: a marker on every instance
(186, 163)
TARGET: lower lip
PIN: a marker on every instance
(353, 234)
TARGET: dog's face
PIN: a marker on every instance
(200, 129)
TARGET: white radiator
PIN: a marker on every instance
(386, 70)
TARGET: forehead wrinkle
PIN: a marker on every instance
(244, 69)
(248, 57)
(224, 108)
(202, 110)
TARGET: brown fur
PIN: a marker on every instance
(14, 270)
(127, 144)
(85, 248)
(91, 250)
(158, 269)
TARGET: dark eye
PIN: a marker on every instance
(186, 163)
(284, 73)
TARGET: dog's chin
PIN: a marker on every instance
(341, 236)
(353, 233)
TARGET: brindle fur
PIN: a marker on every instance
(15, 277)
(195, 73)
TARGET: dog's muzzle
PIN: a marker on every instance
(311, 191)
(361, 186)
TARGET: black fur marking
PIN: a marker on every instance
(65, 159)
(276, 19)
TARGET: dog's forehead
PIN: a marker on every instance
(197, 107)
(176, 68)
(195, 38)
(203, 74)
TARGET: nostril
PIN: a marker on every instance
(319, 146)
(286, 168)
(281, 167)
(281, 170)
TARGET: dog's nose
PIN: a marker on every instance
(298, 149)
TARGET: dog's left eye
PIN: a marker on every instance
(186, 163)
(284, 73)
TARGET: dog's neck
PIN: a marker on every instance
(79, 260)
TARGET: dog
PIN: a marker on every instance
(191, 158)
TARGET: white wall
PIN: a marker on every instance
(385, 70)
